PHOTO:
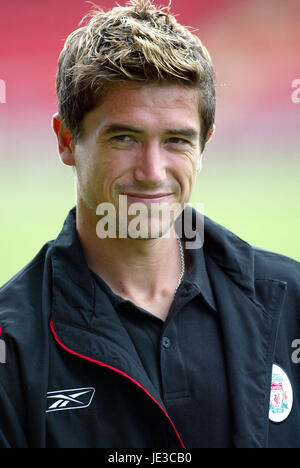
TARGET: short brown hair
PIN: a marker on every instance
(137, 42)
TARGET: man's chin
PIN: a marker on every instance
(146, 229)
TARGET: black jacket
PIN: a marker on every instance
(66, 347)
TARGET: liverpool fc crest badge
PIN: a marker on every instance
(281, 396)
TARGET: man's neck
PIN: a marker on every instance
(145, 271)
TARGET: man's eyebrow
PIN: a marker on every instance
(188, 132)
(115, 128)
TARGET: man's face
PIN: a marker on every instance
(143, 141)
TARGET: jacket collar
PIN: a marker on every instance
(231, 253)
(69, 267)
(72, 285)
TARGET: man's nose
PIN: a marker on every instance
(150, 166)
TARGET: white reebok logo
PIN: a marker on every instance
(75, 398)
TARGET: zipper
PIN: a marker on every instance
(99, 363)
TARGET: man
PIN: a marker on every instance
(121, 332)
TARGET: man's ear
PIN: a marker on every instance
(211, 133)
(199, 162)
(64, 140)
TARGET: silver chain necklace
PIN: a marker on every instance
(182, 264)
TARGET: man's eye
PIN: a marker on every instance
(178, 141)
(122, 138)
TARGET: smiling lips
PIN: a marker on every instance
(148, 198)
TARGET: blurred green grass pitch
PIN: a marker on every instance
(258, 199)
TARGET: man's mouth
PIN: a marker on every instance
(147, 197)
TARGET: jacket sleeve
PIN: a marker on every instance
(11, 431)
(23, 389)
(23, 384)
(24, 328)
